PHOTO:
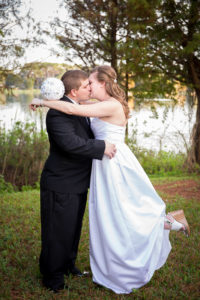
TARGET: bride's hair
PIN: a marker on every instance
(108, 75)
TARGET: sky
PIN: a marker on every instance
(43, 10)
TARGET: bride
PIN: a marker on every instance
(129, 228)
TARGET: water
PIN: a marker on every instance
(155, 126)
(17, 109)
(167, 127)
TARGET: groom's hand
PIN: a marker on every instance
(110, 149)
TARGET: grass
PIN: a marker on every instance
(20, 248)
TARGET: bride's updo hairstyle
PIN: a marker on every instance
(108, 75)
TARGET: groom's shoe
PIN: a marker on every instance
(76, 272)
(60, 288)
(57, 289)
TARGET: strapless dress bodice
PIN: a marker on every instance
(106, 131)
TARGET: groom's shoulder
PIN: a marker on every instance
(52, 113)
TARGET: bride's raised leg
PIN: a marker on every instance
(176, 220)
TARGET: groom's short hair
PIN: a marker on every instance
(72, 79)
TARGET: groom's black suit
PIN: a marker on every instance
(64, 183)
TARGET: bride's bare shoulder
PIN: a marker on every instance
(114, 100)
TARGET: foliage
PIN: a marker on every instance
(102, 31)
(98, 31)
(22, 155)
(31, 75)
(155, 43)
(10, 17)
(160, 163)
(5, 187)
(24, 151)
(29, 83)
(20, 249)
(169, 52)
(38, 71)
(12, 81)
(18, 30)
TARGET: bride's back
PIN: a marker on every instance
(118, 116)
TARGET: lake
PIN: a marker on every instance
(156, 125)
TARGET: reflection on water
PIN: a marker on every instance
(166, 127)
(17, 109)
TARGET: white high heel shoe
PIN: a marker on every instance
(179, 221)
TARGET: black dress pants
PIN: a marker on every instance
(61, 222)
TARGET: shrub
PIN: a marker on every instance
(23, 152)
(5, 187)
(161, 162)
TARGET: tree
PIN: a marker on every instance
(12, 17)
(172, 53)
(13, 81)
(156, 43)
(38, 71)
(97, 32)
(89, 31)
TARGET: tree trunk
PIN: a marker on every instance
(194, 153)
(113, 35)
(126, 93)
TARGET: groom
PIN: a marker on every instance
(65, 181)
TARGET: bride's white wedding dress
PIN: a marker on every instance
(127, 237)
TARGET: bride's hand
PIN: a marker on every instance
(36, 102)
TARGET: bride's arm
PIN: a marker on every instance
(89, 102)
(101, 109)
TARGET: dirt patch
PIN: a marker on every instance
(189, 189)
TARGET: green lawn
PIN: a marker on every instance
(20, 248)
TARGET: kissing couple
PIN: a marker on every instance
(129, 226)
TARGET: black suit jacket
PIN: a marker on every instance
(72, 148)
